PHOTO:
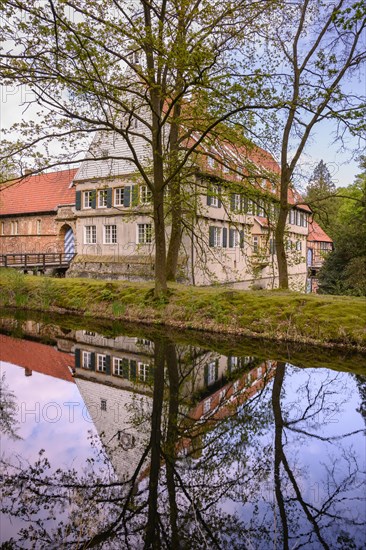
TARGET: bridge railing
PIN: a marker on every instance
(50, 259)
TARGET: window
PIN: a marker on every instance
(214, 201)
(213, 196)
(88, 199)
(210, 162)
(215, 236)
(143, 371)
(121, 367)
(90, 234)
(101, 363)
(86, 360)
(145, 195)
(14, 228)
(117, 366)
(255, 245)
(110, 234)
(236, 386)
(103, 404)
(259, 372)
(38, 227)
(144, 233)
(298, 245)
(234, 238)
(143, 342)
(250, 207)
(102, 198)
(236, 203)
(211, 373)
(207, 405)
(260, 208)
(118, 196)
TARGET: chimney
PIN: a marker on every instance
(27, 371)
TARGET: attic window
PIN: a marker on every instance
(104, 152)
(210, 162)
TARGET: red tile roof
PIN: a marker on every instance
(40, 193)
(36, 357)
(316, 233)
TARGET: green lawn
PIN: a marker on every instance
(278, 315)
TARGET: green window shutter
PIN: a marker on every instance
(127, 196)
(109, 198)
(211, 236)
(78, 200)
(219, 203)
(224, 237)
(135, 195)
(208, 198)
(92, 365)
(77, 358)
(229, 364)
(241, 239)
(216, 370)
(232, 202)
(231, 237)
(108, 364)
(205, 376)
(245, 204)
(125, 369)
(133, 369)
(94, 199)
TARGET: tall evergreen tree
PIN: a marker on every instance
(320, 196)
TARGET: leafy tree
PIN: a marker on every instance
(150, 73)
(344, 270)
(310, 50)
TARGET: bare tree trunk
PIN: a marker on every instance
(280, 233)
(172, 438)
(160, 244)
(278, 449)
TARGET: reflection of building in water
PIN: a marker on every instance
(106, 373)
(244, 385)
(36, 357)
(115, 378)
(45, 332)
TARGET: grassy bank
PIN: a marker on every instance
(276, 315)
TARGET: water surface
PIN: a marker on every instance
(130, 440)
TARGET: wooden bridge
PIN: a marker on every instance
(36, 261)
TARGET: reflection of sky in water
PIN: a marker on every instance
(51, 416)
(320, 467)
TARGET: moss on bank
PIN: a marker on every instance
(275, 315)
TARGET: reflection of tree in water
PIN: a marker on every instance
(322, 519)
(361, 384)
(199, 481)
(8, 410)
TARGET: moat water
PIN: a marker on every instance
(122, 437)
